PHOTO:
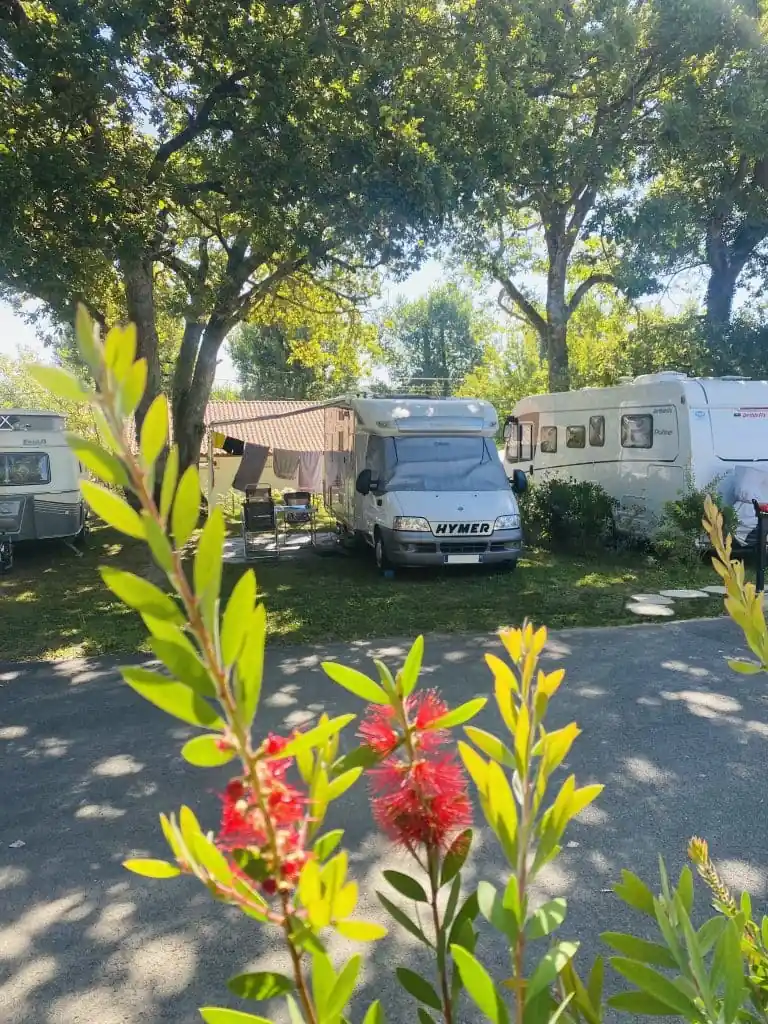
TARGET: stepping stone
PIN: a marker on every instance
(651, 599)
(682, 595)
(715, 590)
(649, 609)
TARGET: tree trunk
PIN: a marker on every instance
(721, 288)
(189, 407)
(556, 336)
(140, 301)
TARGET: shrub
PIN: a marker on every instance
(681, 533)
(271, 857)
(566, 513)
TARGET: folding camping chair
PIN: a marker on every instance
(259, 523)
(296, 513)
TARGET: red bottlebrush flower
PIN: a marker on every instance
(421, 804)
(378, 728)
(276, 833)
(428, 707)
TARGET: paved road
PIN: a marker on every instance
(86, 766)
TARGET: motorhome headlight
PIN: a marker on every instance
(507, 523)
(411, 523)
(9, 508)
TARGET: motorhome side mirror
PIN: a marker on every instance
(519, 481)
(363, 482)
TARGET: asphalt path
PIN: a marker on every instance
(86, 767)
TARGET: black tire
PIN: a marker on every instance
(380, 552)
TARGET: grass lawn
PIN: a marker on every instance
(54, 605)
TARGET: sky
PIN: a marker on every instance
(15, 334)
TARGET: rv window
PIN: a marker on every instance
(597, 431)
(22, 468)
(519, 447)
(548, 440)
(575, 437)
(637, 431)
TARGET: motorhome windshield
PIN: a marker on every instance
(443, 464)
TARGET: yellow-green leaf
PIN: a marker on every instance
(250, 666)
(491, 745)
(206, 752)
(174, 698)
(112, 509)
(140, 594)
(209, 559)
(132, 388)
(150, 868)
(343, 782)
(355, 682)
(59, 382)
(361, 931)
(220, 1015)
(237, 617)
(154, 431)
(103, 464)
(186, 506)
(260, 985)
(409, 673)
(170, 478)
(459, 715)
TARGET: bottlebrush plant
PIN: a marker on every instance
(271, 855)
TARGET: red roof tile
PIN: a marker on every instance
(291, 425)
(295, 426)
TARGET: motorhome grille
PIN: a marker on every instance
(463, 549)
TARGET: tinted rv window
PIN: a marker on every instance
(637, 431)
(548, 440)
(597, 431)
(23, 468)
(575, 437)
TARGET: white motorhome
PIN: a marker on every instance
(39, 481)
(643, 441)
(420, 481)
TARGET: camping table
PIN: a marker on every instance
(282, 512)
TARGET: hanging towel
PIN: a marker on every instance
(218, 439)
(310, 472)
(233, 446)
(285, 464)
(251, 467)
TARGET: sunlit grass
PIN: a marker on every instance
(54, 605)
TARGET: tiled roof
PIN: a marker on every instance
(295, 426)
(291, 425)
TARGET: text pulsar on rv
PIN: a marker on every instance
(646, 441)
(420, 481)
(39, 481)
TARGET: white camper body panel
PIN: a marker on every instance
(441, 495)
(643, 441)
(40, 475)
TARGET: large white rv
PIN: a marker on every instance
(420, 481)
(39, 481)
(643, 441)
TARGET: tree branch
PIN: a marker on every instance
(195, 126)
(530, 313)
(587, 285)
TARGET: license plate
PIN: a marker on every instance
(462, 559)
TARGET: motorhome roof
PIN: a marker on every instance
(32, 412)
(655, 388)
(419, 415)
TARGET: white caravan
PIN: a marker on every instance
(643, 441)
(420, 481)
(39, 481)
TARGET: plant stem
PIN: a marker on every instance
(298, 972)
(442, 969)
